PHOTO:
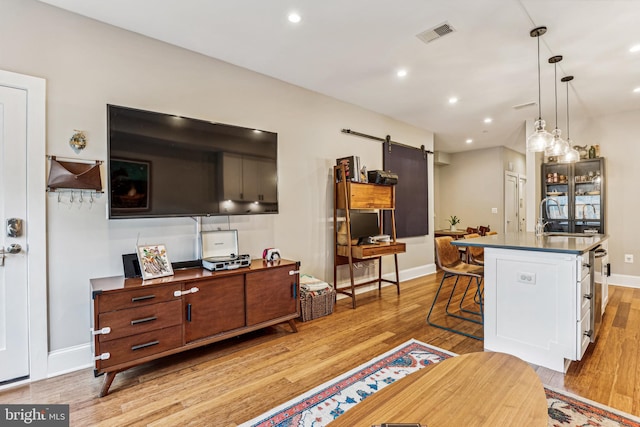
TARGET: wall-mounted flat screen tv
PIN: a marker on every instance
(163, 165)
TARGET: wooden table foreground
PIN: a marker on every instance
(476, 389)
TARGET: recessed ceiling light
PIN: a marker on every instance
(453, 100)
(636, 90)
(402, 73)
(469, 141)
(294, 17)
(488, 120)
(635, 48)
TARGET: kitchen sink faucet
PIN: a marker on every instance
(541, 223)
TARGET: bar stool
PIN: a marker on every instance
(449, 262)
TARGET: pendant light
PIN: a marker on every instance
(540, 138)
(559, 146)
(572, 155)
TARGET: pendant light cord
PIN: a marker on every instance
(555, 84)
(568, 111)
(539, 96)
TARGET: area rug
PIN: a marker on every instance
(323, 404)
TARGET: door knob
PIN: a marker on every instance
(13, 248)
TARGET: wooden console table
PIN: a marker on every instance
(475, 389)
(354, 196)
(137, 321)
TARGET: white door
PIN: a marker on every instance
(511, 224)
(522, 203)
(14, 330)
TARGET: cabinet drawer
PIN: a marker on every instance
(138, 346)
(366, 196)
(585, 296)
(584, 332)
(372, 251)
(140, 319)
(136, 297)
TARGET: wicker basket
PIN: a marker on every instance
(316, 304)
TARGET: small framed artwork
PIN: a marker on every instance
(130, 185)
(154, 261)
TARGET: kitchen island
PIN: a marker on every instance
(540, 301)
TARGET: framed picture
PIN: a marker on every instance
(154, 261)
(130, 185)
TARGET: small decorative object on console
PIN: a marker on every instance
(351, 168)
(271, 254)
(154, 261)
(383, 177)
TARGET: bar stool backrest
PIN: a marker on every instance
(447, 255)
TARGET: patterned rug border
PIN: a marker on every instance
(581, 401)
(329, 388)
(407, 345)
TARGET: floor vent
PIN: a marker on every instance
(436, 32)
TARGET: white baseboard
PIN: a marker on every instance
(413, 273)
(623, 280)
(69, 359)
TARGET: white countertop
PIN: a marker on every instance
(529, 242)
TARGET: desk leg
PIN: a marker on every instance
(395, 257)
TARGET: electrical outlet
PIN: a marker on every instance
(528, 278)
(628, 258)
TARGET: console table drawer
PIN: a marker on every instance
(372, 251)
(138, 346)
(140, 319)
(137, 297)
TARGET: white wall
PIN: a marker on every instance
(88, 65)
(618, 139)
(472, 184)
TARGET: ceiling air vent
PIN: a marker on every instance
(525, 105)
(436, 32)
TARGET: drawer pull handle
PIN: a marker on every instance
(145, 345)
(146, 319)
(142, 298)
(188, 291)
(293, 272)
(105, 330)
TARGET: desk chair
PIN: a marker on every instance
(449, 262)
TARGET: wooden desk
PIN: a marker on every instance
(476, 389)
(458, 234)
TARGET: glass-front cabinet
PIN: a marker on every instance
(574, 195)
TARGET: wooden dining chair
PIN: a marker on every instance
(449, 262)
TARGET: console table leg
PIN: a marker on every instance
(108, 379)
(293, 325)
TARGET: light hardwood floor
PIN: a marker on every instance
(230, 382)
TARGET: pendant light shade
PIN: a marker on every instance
(559, 146)
(572, 155)
(540, 138)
